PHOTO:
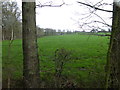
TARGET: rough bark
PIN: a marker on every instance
(113, 60)
(30, 52)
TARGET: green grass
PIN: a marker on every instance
(101, 33)
(88, 53)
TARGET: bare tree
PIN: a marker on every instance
(10, 20)
(30, 48)
(113, 58)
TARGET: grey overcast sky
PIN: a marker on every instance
(66, 17)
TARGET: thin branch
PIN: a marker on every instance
(94, 7)
(99, 17)
(103, 23)
(49, 5)
(96, 22)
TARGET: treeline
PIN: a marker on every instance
(50, 32)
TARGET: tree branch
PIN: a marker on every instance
(103, 23)
(94, 7)
(50, 5)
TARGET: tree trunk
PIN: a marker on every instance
(113, 60)
(30, 52)
(12, 34)
(3, 36)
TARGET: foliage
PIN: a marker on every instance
(61, 57)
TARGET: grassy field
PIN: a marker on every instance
(85, 69)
